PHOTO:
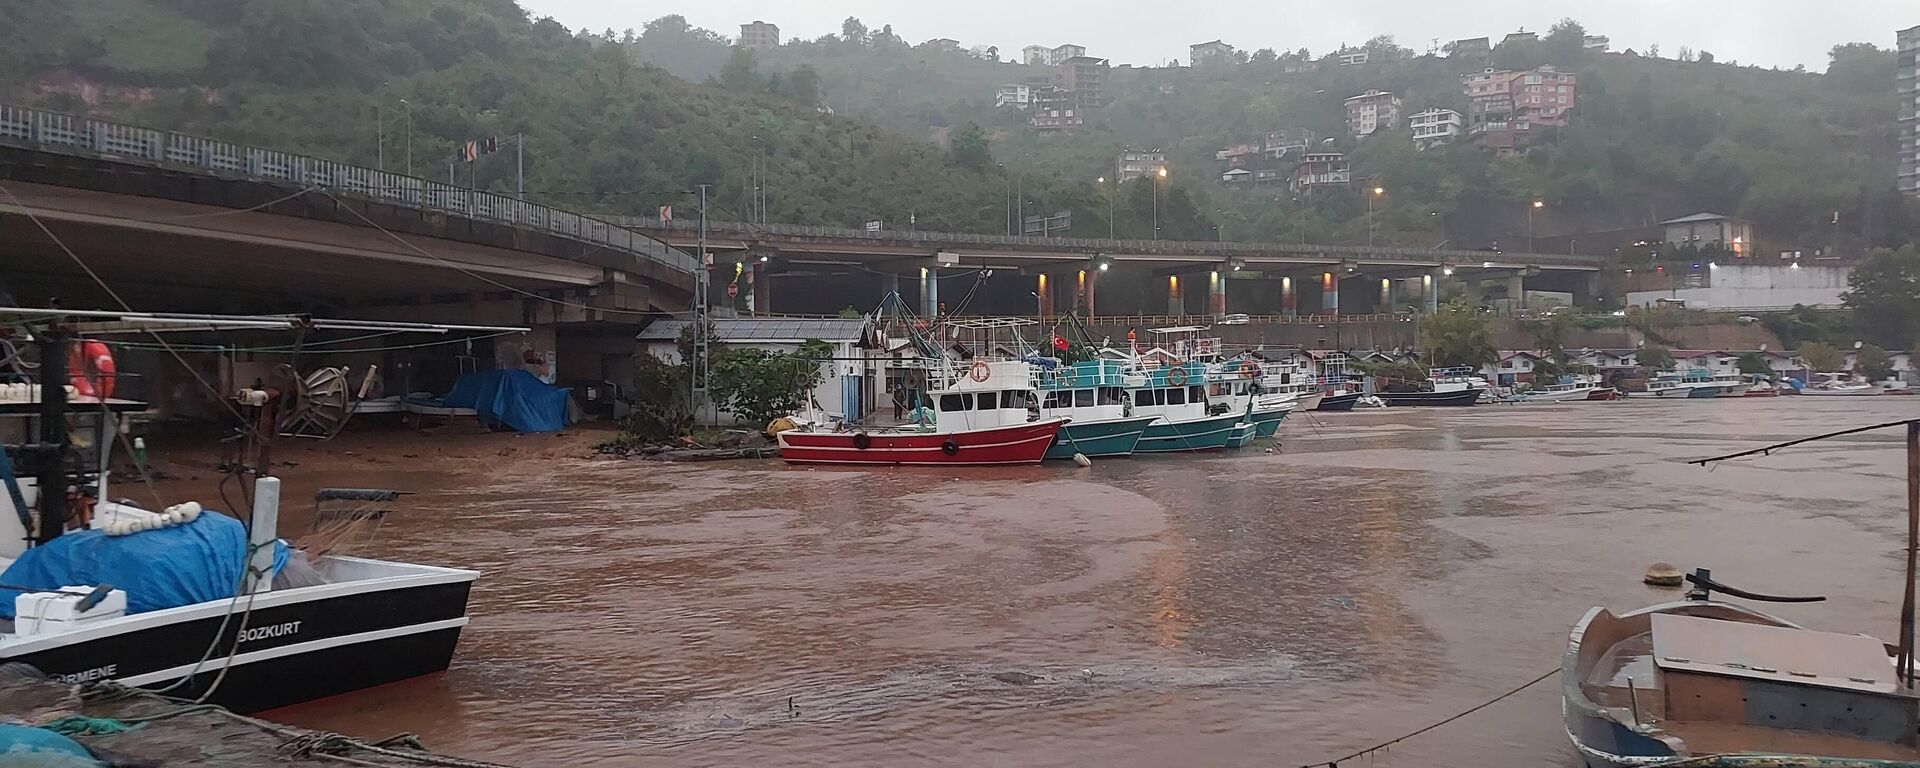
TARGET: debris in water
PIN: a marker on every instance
(1662, 575)
(1015, 678)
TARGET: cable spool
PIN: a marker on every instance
(320, 408)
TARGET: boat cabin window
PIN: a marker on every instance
(1016, 398)
(1218, 389)
(1176, 397)
(1148, 397)
(952, 403)
(1112, 396)
(1083, 398)
(1053, 400)
(1196, 394)
(989, 401)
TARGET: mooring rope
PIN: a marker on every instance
(1335, 763)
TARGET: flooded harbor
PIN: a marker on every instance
(1383, 570)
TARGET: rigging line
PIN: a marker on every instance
(1477, 707)
(124, 306)
(286, 350)
(476, 275)
(250, 209)
(1790, 443)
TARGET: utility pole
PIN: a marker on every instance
(698, 365)
(407, 109)
(379, 138)
(520, 165)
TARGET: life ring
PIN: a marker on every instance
(862, 440)
(1177, 375)
(90, 369)
(979, 371)
(1250, 369)
(949, 447)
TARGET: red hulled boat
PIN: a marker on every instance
(1022, 443)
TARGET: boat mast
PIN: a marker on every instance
(1906, 671)
(53, 343)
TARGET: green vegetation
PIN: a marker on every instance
(1457, 334)
(1754, 363)
(1884, 294)
(759, 386)
(1822, 357)
(1657, 358)
(1872, 362)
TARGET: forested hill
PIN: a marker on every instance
(914, 135)
(1652, 137)
(605, 132)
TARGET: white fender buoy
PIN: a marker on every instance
(1082, 460)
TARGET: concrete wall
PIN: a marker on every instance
(1747, 286)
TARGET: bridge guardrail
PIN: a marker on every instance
(58, 131)
(1224, 248)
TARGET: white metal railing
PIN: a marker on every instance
(55, 131)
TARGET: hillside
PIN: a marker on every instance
(603, 132)
(1651, 138)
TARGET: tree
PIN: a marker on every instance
(967, 145)
(739, 74)
(1265, 56)
(1822, 357)
(803, 85)
(993, 53)
(1884, 294)
(659, 400)
(853, 31)
(1657, 358)
(1872, 362)
(1861, 68)
(759, 386)
(1458, 334)
(1705, 57)
(1754, 363)
(1565, 43)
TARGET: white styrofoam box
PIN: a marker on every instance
(38, 613)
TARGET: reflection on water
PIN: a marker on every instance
(1384, 570)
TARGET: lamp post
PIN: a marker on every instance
(407, 109)
(1537, 205)
(1104, 188)
(1158, 178)
(1008, 197)
(1376, 193)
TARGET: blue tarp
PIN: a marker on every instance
(162, 568)
(514, 398)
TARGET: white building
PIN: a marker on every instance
(850, 383)
(1433, 127)
(1704, 229)
(1907, 85)
(1372, 111)
(1213, 53)
(1061, 53)
(759, 35)
(1013, 95)
(1753, 287)
(1035, 55)
(1353, 57)
(1130, 165)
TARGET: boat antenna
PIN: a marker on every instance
(1904, 658)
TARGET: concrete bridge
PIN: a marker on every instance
(1291, 278)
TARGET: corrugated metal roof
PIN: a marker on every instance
(1696, 217)
(772, 329)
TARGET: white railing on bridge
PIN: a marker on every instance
(61, 132)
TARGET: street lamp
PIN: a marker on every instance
(1008, 197)
(1102, 181)
(1537, 205)
(407, 109)
(1377, 192)
(1159, 178)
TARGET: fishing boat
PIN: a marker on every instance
(187, 599)
(1456, 386)
(1839, 385)
(1175, 393)
(1691, 384)
(1092, 396)
(1568, 388)
(983, 414)
(1678, 682)
(1236, 387)
(1339, 401)
(1761, 386)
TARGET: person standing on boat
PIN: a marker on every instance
(899, 401)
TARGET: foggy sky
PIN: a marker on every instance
(1764, 32)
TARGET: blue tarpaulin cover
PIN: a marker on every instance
(158, 569)
(515, 398)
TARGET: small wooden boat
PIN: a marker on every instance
(1840, 385)
(1702, 682)
(1455, 397)
(1339, 401)
(1694, 384)
(1567, 389)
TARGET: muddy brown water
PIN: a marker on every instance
(1383, 570)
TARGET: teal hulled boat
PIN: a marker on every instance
(1267, 423)
(1208, 434)
(1099, 438)
(1243, 433)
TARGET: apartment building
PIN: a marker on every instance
(1908, 88)
(1131, 164)
(1321, 169)
(1086, 76)
(1210, 54)
(1433, 127)
(1061, 53)
(1504, 107)
(1372, 111)
(759, 35)
(1035, 55)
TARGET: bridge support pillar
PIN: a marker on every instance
(1389, 296)
(1329, 294)
(1043, 290)
(759, 289)
(1430, 291)
(1216, 293)
(1517, 290)
(890, 283)
(930, 292)
(1586, 288)
(1289, 302)
(1175, 305)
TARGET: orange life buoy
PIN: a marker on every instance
(1250, 369)
(1177, 375)
(979, 371)
(90, 369)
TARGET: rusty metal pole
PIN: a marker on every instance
(1913, 547)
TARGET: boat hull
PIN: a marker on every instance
(1098, 438)
(300, 644)
(1018, 444)
(1243, 434)
(1565, 395)
(1341, 402)
(1267, 423)
(1456, 397)
(1849, 392)
(1209, 434)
